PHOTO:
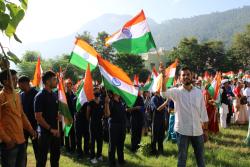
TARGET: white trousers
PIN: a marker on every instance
(223, 115)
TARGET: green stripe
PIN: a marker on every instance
(78, 105)
(67, 129)
(170, 82)
(127, 97)
(80, 62)
(79, 89)
(64, 109)
(211, 91)
(136, 45)
(148, 85)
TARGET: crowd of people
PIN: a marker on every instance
(185, 113)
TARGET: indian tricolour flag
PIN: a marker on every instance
(134, 37)
(148, 86)
(116, 80)
(37, 79)
(83, 54)
(214, 89)
(87, 91)
(229, 74)
(170, 74)
(63, 107)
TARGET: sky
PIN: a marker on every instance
(50, 19)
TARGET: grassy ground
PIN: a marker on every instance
(225, 149)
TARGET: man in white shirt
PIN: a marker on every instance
(246, 93)
(190, 117)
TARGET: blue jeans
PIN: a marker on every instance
(14, 157)
(198, 146)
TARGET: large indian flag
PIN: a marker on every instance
(116, 80)
(63, 108)
(83, 54)
(134, 37)
(87, 91)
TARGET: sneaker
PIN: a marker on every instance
(100, 158)
(93, 161)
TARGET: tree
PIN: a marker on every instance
(10, 16)
(107, 52)
(200, 56)
(240, 49)
(86, 36)
(69, 70)
(30, 56)
(131, 64)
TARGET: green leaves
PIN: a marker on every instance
(11, 15)
(4, 21)
(24, 4)
(12, 57)
(2, 6)
(17, 14)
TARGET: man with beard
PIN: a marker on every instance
(46, 114)
(190, 117)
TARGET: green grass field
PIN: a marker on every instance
(225, 149)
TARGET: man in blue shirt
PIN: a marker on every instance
(46, 114)
(27, 96)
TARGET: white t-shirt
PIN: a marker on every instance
(190, 110)
(246, 93)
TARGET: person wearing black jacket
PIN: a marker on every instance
(136, 119)
(70, 141)
(115, 110)
(158, 123)
(224, 104)
(95, 113)
(82, 131)
(28, 94)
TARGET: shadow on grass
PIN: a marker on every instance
(225, 143)
(85, 161)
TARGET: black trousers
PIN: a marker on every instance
(70, 141)
(158, 135)
(14, 157)
(48, 143)
(230, 113)
(117, 134)
(82, 132)
(136, 133)
(96, 136)
(34, 145)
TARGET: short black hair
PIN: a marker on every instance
(24, 79)
(47, 76)
(4, 75)
(185, 68)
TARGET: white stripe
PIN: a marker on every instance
(82, 97)
(136, 31)
(172, 72)
(85, 55)
(124, 86)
